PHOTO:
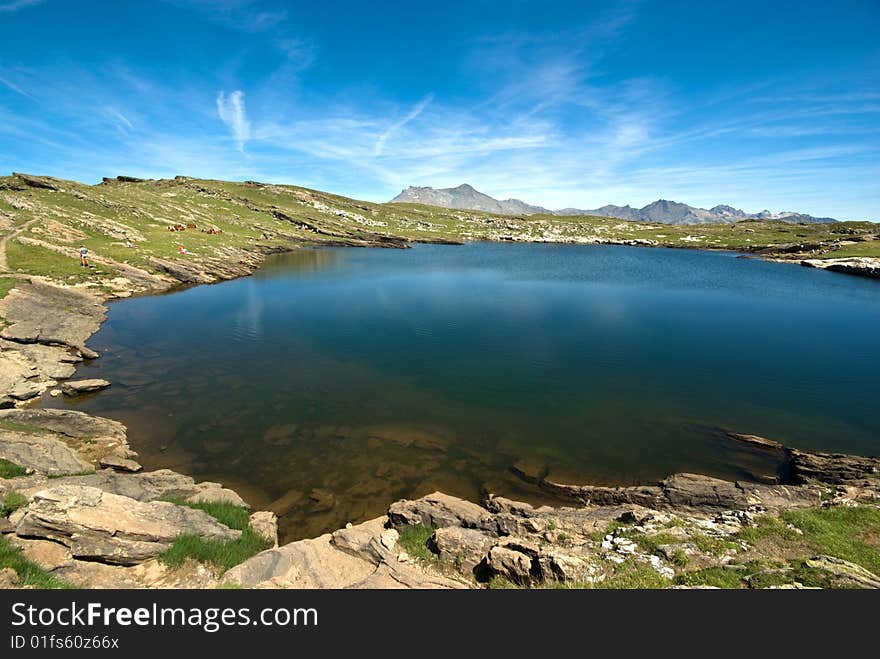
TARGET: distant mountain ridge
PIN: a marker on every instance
(669, 212)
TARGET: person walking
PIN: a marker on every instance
(83, 256)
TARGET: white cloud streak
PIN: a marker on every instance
(15, 5)
(397, 125)
(232, 113)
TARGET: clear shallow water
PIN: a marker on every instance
(335, 381)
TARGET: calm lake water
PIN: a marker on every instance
(335, 381)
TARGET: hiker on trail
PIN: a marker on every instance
(83, 256)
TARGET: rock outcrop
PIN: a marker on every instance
(97, 525)
(362, 556)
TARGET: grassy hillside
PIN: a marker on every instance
(43, 221)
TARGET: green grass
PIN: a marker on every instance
(84, 472)
(650, 543)
(414, 539)
(12, 502)
(15, 426)
(235, 517)
(766, 527)
(718, 577)
(10, 469)
(223, 555)
(852, 534)
(29, 573)
(713, 545)
(629, 575)
(39, 260)
(6, 285)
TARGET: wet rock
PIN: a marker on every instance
(77, 387)
(531, 470)
(97, 525)
(284, 504)
(322, 500)
(120, 464)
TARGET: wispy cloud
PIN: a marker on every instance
(232, 112)
(400, 123)
(18, 90)
(15, 5)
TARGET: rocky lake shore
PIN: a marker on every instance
(76, 509)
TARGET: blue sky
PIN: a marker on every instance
(756, 104)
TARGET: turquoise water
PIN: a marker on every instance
(335, 381)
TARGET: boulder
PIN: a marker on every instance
(509, 564)
(97, 525)
(265, 525)
(465, 548)
(439, 510)
(313, 563)
(76, 387)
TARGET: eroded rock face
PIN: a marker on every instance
(90, 437)
(439, 510)
(41, 453)
(97, 525)
(363, 556)
(834, 468)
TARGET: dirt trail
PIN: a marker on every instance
(4, 263)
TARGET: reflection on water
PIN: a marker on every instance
(338, 380)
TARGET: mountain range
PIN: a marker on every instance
(669, 212)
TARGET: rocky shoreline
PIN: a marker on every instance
(86, 513)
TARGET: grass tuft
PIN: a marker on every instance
(10, 469)
(12, 502)
(29, 574)
(414, 539)
(223, 555)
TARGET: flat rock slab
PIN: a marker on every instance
(42, 313)
(96, 525)
(71, 423)
(361, 556)
(120, 464)
(313, 563)
(44, 454)
(76, 387)
(143, 486)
